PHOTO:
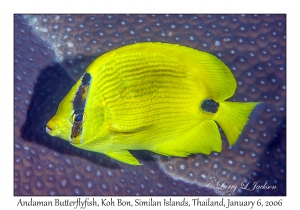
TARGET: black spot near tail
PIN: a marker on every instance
(210, 106)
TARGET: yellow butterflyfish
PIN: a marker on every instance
(161, 97)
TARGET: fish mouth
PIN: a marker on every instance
(52, 128)
(48, 130)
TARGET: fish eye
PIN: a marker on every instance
(78, 117)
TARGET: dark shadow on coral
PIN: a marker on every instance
(142, 155)
(51, 87)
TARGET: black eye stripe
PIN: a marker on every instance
(80, 96)
(79, 105)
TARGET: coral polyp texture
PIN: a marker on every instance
(52, 51)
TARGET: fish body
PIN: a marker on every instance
(161, 97)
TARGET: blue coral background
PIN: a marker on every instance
(52, 51)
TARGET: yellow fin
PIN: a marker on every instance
(211, 70)
(202, 138)
(218, 76)
(123, 129)
(123, 156)
(232, 117)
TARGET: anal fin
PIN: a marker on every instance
(202, 138)
(123, 156)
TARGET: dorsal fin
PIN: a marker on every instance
(202, 65)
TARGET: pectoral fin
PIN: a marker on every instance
(123, 129)
(123, 156)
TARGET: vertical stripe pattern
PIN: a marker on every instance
(78, 108)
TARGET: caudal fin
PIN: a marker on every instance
(232, 117)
